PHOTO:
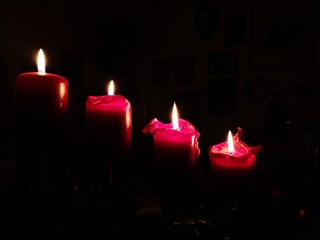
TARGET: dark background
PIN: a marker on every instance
(227, 63)
(158, 52)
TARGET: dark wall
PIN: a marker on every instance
(219, 60)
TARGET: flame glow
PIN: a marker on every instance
(175, 117)
(111, 88)
(230, 143)
(128, 117)
(62, 90)
(41, 62)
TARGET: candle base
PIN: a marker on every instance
(175, 181)
(107, 167)
(42, 161)
(233, 177)
(171, 187)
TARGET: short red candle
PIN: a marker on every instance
(238, 163)
(109, 128)
(41, 124)
(175, 152)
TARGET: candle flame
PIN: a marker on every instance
(111, 88)
(41, 62)
(175, 117)
(230, 143)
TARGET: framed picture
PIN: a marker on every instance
(184, 70)
(222, 63)
(303, 88)
(282, 34)
(71, 68)
(258, 89)
(222, 96)
(207, 19)
(235, 31)
(160, 73)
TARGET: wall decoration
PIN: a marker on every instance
(160, 73)
(207, 19)
(222, 96)
(222, 63)
(258, 89)
(235, 31)
(303, 88)
(282, 34)
(184, 70)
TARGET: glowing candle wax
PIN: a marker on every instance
(41, 96)
(41, 123)
(175, 152)
(234, 158)
(109, 128)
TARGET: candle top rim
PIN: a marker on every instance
(107, 100)
(241, 148)
(45, 78)
(157, 127)
(46, 74)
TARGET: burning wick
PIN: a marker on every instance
(230, 143)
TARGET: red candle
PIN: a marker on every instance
(233, 159)
(109, 128)
(41, 122)
(42, 96)
(175, 152)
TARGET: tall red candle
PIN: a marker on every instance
(175, 153)
(109, 129)
(233, 161)
(43, 96)
(41, 123)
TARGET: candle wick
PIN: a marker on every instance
(230, 153)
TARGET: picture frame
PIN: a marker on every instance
(222, 96)
(184, 70)
(235, 31)
(258, 89)
(303, 88)
(160, 73)
(222, 63)
(282, 34)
